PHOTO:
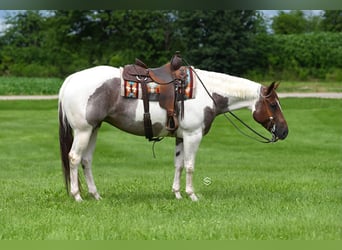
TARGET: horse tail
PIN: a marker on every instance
(65, 141)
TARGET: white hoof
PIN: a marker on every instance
(178, 195)
(193, 197)
(78, 197)
(96, 196)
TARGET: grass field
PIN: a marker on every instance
(50, 86)
(288, 190)
(29, 86)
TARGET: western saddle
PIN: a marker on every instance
(171, 78)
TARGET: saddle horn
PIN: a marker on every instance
(176, 61)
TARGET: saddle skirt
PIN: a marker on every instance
(132, 89)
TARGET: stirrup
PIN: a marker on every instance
(172, 123)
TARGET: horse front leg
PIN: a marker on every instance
(179, 164)
(191, 144)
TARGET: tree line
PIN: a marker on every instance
(238, 42)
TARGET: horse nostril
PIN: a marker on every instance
(285, 133)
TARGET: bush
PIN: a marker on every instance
(334, 75)
(306, 56)
(32, 70)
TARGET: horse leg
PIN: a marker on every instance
(179, 164)
(86, 162)
(191, 144)
(81, 140)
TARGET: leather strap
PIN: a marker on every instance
(147, 116)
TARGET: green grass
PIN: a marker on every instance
(288, 190)
(29, 86)
(50, 86)
(308, 86)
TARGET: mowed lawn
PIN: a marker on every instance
(288, 190)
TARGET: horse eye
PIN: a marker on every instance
(273, 106)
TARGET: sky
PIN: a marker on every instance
(3, 14)
(272, 13)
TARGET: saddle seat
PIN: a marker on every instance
(168, 76)
(163, 75)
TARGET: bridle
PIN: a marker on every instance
(261, 138)
(271, 120)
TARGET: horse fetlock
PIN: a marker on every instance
(176, 191)
(190, 192)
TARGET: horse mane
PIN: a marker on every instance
(225, 84)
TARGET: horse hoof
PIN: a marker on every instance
(193, 197)
(96, 196)
(178, 195)
(78, 198)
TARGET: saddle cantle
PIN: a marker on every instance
(170, 77)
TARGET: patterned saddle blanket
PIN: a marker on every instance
(132, 89)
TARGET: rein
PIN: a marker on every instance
(263, 138)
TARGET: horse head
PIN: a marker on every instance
(268, 112)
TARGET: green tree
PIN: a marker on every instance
(218, 40)
(22, 45)
(314, 23)
(293, 22)
(148, 35)
(66, 41)
(332, 21)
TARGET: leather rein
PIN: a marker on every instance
(261, 138)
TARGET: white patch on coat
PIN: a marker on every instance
(241, 92)
(78, 87)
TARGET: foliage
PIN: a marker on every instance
(219, 40)
(293, 22)
(57, 43)
(288, 190)
(305, 56)
(67, 41)
(332, 20)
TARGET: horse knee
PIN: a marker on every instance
(190, 169)
(74, 159)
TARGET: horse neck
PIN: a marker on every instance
(240, 92)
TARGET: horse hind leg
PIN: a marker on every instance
(87, 163)
(80, 144)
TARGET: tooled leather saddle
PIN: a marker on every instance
(171, 78)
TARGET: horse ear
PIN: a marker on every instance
(270, 88)
(276, 85)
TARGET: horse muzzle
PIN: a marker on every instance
(279, 132)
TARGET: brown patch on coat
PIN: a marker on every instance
(221, 106)
(106, 104)
(221, 103)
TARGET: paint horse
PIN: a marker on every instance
(92, 96)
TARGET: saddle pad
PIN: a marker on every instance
(131, 89)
